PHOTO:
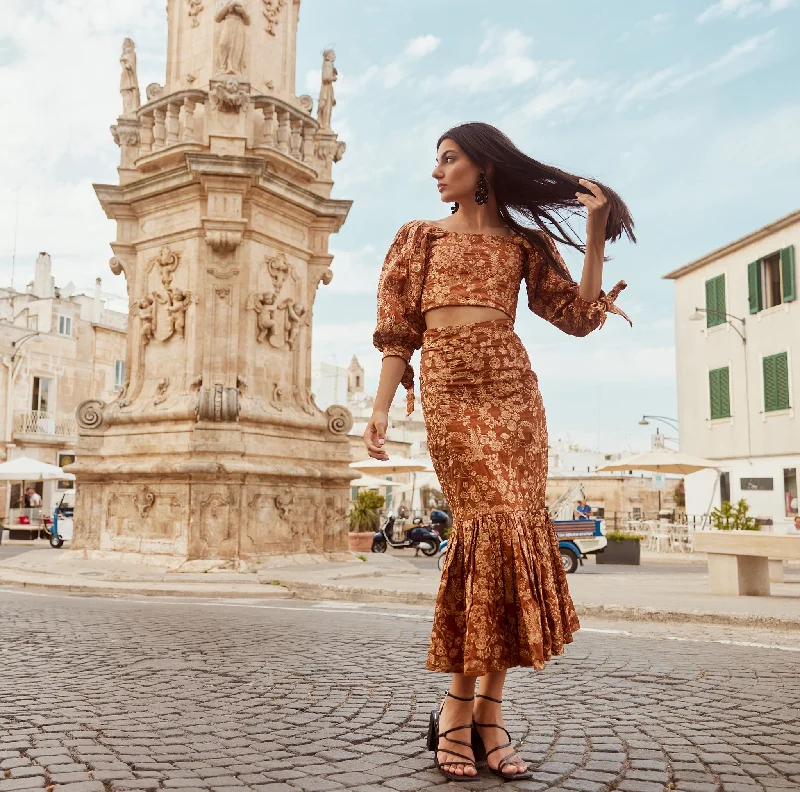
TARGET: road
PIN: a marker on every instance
(107, 695)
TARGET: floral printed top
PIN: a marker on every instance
(429, 267)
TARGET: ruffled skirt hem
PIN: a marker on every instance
(503, 599)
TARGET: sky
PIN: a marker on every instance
(689, 109)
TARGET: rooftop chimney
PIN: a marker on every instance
(43, 283)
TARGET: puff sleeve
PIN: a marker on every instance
(556, 299)
(400, 323)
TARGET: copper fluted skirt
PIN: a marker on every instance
(503, 600)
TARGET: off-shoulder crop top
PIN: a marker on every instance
(430, 267)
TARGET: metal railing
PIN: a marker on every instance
(47, 423)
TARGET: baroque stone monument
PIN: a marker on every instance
(215, 448)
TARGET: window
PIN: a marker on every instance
(715, 301)
(119, 375)
(790, 491)
(65, 325)
(41, 395)
(776, 382)
(771, 280)
(33, 322)
(725, 487)
(719, 393)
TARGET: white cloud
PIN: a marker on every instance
(504, 60)
(740, 58)
(742, 8)
(356, 272)
(422, 46)
(566, 99)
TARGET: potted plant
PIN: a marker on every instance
(364, 520)
(729, 518)
(622, 548)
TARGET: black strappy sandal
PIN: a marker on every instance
(433, 744)
(479, 749)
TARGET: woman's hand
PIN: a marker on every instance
(598, 209)
(375, 435)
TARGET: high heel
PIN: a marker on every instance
(433, 744)
(480, 752)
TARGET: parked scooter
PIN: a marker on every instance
(62, 524)
(418, 537)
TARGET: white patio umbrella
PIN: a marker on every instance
(392, 465)
(27, 469)
(664, 461)
(661, 461)
(373, 481)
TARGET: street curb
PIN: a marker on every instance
(258, 591)
(320, 591)
(637, 614)
(312, 591)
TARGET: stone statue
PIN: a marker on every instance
(181, 301)
(265, 315)
(326, 99)
(233, 17)
(129, 81)
(295, 314)
(147, 315)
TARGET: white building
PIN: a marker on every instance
(57, 349)
(738, 371)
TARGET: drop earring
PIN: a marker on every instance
(454, 208)
(482, 193)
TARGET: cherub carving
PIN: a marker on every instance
(263, 305)
(180, 302)
(295, 319)
(146, 309)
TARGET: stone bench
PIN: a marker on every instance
(739, 561)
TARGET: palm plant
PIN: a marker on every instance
(364, 514)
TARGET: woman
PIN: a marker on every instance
(451, 288)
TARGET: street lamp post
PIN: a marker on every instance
(12, 364)
(672, 423)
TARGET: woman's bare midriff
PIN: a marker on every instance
(461, 314)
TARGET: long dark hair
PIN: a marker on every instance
(530, 193)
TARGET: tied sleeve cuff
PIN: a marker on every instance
(407, 380)
(605, 304)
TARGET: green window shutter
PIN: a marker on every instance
(721, 312)
(754, 286)
(715, 301)
(719, 389)
(787, 274)
(776, 382)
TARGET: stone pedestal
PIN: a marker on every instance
(215, 449)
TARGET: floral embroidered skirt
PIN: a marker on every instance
(503, 600)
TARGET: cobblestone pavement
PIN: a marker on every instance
(108, 695)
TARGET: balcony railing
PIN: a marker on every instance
(169, 122)
(37, 422)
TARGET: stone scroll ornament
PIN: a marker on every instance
(233, 18)
(129, 80)
(89, 414)
(340, 419)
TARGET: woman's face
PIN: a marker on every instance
(455, 173)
